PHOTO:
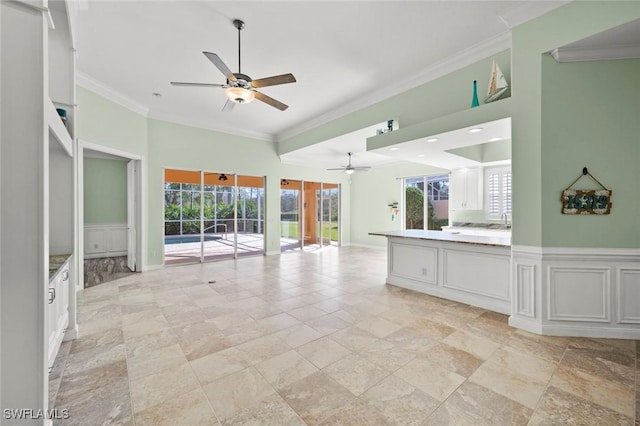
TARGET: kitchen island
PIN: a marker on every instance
(472, 269)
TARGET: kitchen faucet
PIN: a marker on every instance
(506, 220)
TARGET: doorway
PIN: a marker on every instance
(109, 227)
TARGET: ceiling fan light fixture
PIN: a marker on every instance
(349, 171)
(240, 95)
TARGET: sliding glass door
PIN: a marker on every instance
(212, 216)
(309, 214)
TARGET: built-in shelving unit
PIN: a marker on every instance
(37, 309)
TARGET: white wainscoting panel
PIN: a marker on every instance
(578, 294)
(629, 295)
(525, 290)
(105, 240)
(477, 272)
(413, 261)
(588, 292)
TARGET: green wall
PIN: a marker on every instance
(445, 95)
(591, 117)
(371, 194)
(530, 42)
(105, 191)
(182, 147)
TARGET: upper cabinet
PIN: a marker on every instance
(465, 189)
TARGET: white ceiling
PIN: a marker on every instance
(345, 55)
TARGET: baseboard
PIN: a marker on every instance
(580, 331)
(147, 268)
(71, 334)
(367, 246)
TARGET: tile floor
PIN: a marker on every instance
(318, 338)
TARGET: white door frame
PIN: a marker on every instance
(140, 210)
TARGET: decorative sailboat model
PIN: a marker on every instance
(498, 86)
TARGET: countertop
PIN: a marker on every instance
(55, 263)
(418, 234)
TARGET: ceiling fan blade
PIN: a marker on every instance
(180, 83)
(215, 59)
(273, 81)
(338, 168)
(361, 168)
(228, 106)
(269, 100)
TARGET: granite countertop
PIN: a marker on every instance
(55, 263)
(497, 241)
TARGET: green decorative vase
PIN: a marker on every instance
(474, 101)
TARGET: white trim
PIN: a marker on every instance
(567, 54)
(579, 253)
(528, 11)
(621, 296)
(148, 268)
(171, 118)
(600, 332)
(109, 93)
(142, 218)
(455, 62)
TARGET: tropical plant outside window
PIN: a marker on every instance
(432, 214)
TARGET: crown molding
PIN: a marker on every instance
(565, 54)
(170, 118)
(453, 63)
(109, 93)
(528, 11)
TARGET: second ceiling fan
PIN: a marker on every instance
(240, 88)
(349, 169)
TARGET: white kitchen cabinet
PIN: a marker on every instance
(57, 315)
(465, 189)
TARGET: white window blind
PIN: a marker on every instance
(498, 192)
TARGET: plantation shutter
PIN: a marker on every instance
(497, 192)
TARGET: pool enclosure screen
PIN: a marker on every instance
(210, 216)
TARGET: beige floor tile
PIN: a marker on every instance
(307, 313)
(472, 343)
(454, 359)
(298, 335)
(272, 410)
(399, 402)
(386, 355)
(263, 348)
(356, 373)
(192, 408)
(316, 397)
(379, 327)
(327, 324)
(216, 365)
(404, 353)
(607, 393)
(357, 412)
(163, 386)
(558, 407)
(323, 352)
(354, 338)
(286, 368)
(241, 390)
(154, 362)
(432, 379)
(482, 406)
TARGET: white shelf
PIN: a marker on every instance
(58, 130)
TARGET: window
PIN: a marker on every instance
(497, 191)
(432, 213)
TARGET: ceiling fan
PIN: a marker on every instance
(240, 88)
(349, 169)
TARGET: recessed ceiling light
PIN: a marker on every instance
(475, 130)
(420, 155)
(432, 140)
(393, 149)
(495, 139)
